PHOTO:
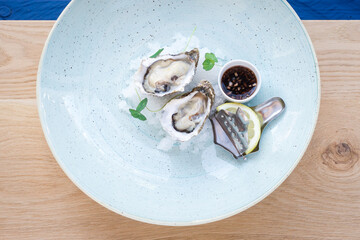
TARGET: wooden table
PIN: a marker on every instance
(320, 199)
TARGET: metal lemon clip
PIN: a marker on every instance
(230, 129)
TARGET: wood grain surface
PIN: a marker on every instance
(320, 199)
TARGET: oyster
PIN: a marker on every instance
(184, 117)
(167, 74)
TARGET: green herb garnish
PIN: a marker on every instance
(141, 105)
(192, 34)
(136, 113)
(210, 60)
(157, 53)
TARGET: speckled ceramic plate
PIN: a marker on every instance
(113, 158)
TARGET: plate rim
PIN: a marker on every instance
(172, 223)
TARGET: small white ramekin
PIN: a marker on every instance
(241, 63)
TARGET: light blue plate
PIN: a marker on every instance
(113, 158)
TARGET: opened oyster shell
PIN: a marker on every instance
(184, 117)
(167, 74)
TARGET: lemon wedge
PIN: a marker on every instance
(254, 127)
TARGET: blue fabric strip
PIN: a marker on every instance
(306, 9)
(31, 9)
(327, 9)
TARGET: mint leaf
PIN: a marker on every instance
(142, 105)
(208, 64)
(211, 57)
(137, 114)
(141, 117)
(210, 60)
(157, 53)
(134, 113)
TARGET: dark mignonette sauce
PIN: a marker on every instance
(239, 82)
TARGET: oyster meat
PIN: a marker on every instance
(184, 117)
(167, 74)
